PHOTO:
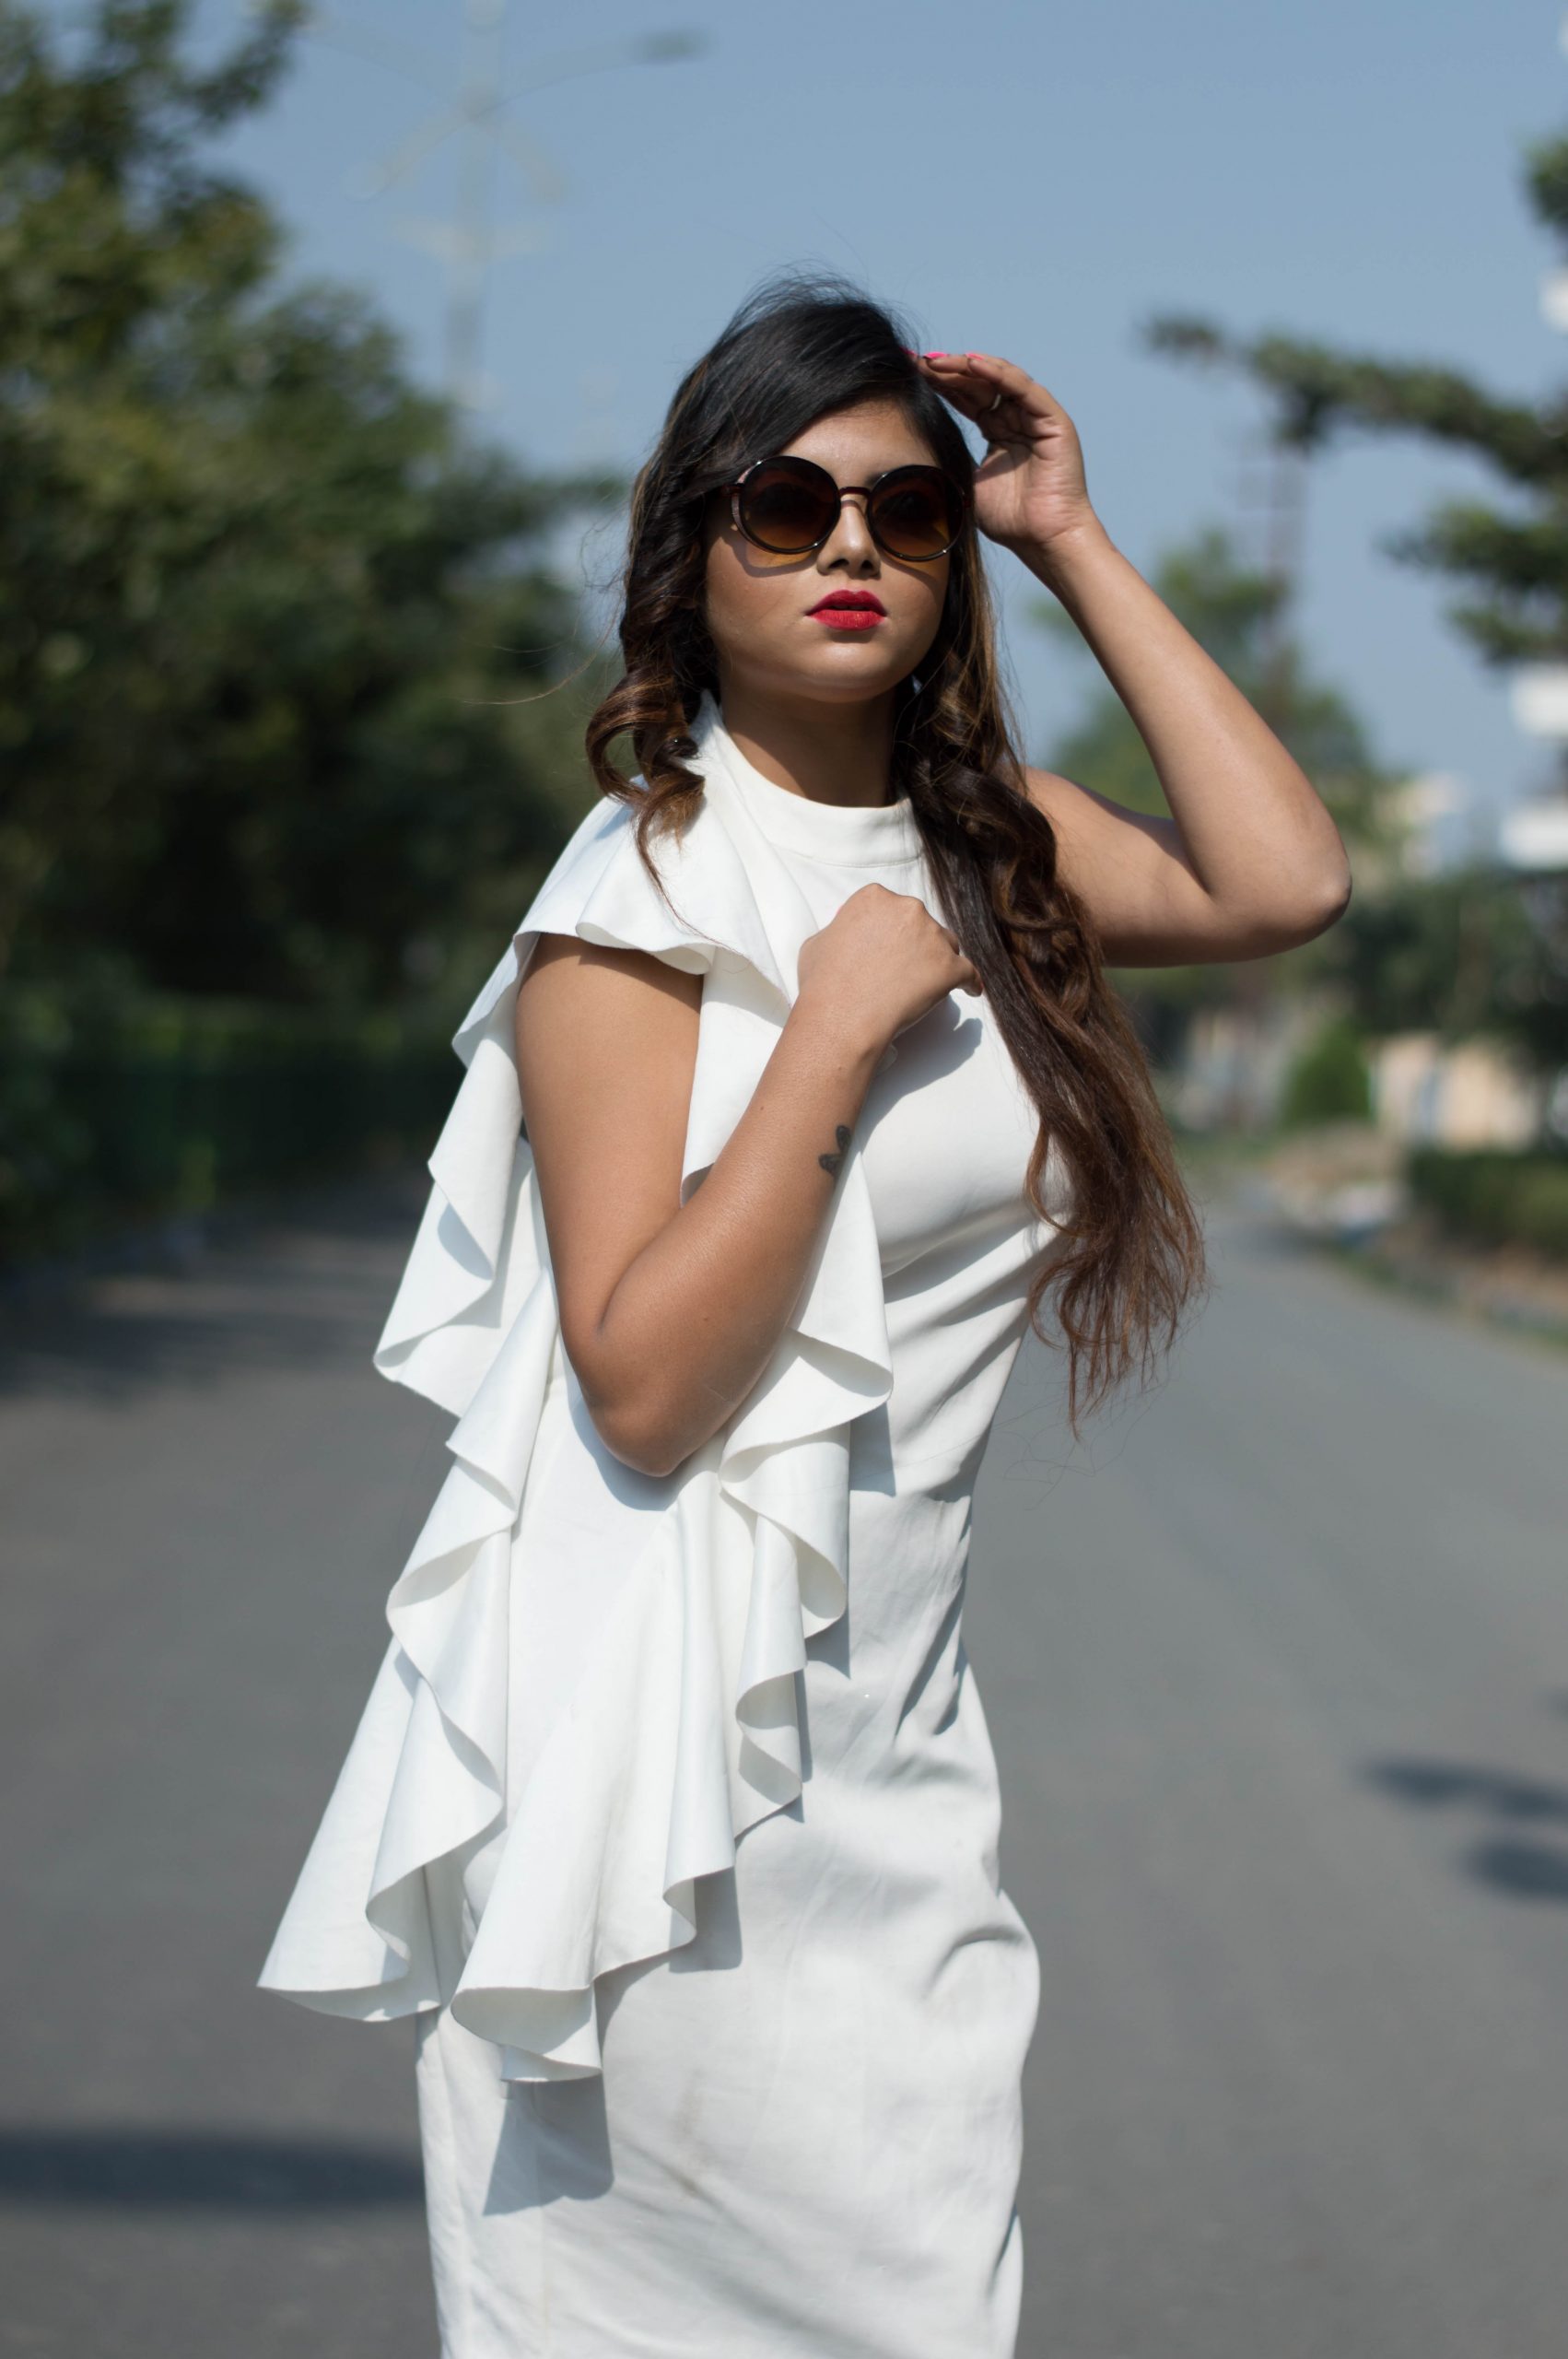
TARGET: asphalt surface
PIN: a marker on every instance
(1276, 1663)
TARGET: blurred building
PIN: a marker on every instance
(1426, 807)
(1457, 1093)
(1234, 1060)
(1533, 837)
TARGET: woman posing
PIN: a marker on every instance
(673, 1813)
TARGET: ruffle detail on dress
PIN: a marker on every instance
(676, 1724)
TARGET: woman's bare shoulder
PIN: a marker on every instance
(605, 1050)
(565, 973)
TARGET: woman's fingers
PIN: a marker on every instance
(1013, 380)
(968, 980)
(971, 380)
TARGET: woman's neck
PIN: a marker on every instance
(827, 753)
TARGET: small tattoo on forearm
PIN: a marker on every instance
(832, 1162)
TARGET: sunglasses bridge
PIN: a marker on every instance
(736, 491)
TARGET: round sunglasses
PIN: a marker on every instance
(790, 507)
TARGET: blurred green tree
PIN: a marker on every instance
(1481, 950)
(1468, 953)
(1513, 562)
(1329, 1080)
(274, 635)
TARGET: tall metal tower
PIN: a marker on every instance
(476, 117)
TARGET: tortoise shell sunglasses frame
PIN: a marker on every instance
(881, 494)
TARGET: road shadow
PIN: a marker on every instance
(1508, 1853)
(301, 1283)
(154, 2170)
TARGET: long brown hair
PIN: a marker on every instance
(799, 347)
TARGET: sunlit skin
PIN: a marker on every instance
(812, 707)
(1248, 862)
(671, 1311)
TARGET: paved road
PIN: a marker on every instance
(1276, 1661)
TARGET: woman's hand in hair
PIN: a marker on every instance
(880, 963)
(1029, 489)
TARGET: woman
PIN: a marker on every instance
(672, 1815)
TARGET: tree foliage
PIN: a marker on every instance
(270, 622)
(1478, 950)
(1464, 954)
(1510, 562)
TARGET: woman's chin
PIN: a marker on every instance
(849, 675)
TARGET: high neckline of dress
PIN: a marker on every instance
(845, 836)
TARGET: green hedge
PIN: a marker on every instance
(1330, 1079)
(170, 1105)
(1496, 1194)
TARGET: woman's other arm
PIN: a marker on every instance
(670, 1313)
(1251, 862)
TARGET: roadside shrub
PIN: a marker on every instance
(1329, 1080)
(1497, 1194)
(167, 1106)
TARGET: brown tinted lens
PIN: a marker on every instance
(916, 513)
(787, 508)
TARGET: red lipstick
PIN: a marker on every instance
(849, 610)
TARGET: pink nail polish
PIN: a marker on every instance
(933, 356)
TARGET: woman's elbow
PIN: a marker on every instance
(1337, 891)
(645, 1451)
(638, 1396)
(1303, 917)
(640, 1430)
(1329, 906)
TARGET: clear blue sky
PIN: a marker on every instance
(1035, 179)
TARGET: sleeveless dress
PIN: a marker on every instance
(672, 1815)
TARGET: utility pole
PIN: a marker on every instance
(469, 243)
(1271, 484)
(476, 117)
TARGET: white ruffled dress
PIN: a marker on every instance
(673, 1811)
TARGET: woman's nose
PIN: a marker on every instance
(852, 535)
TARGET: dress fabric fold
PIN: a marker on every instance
(603, 1692)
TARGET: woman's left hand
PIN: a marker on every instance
(1029, 489)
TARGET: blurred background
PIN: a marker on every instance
(331, 341)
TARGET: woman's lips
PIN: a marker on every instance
(848, 617)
